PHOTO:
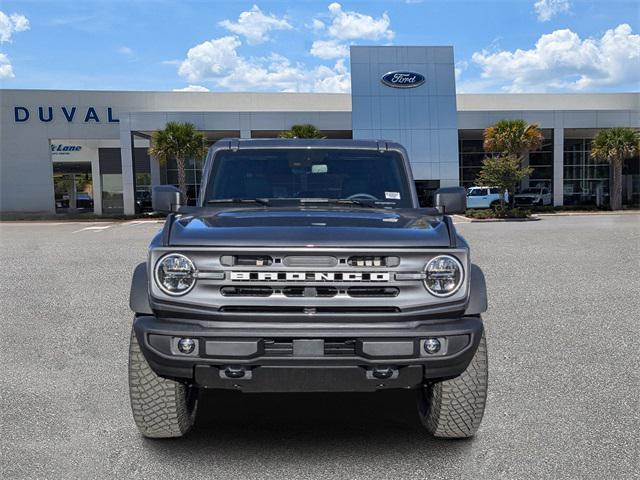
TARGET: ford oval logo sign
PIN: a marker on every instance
(402, 79)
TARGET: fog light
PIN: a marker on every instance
(186, 345)
(432, 345)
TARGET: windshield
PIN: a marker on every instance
(531, 190)
(361, 175)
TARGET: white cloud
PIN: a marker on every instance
(125, 51)
(328, 49)
(219, 62)
(546, 9)
(561, 60)
(6, 69)
(192, 88)
(10, 24)
(210, 59)
(332, 80)
(317, 25)
(346, 25)
(254, 25)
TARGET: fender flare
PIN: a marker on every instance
(478, 292)
(139, 295)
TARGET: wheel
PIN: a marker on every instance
(454, 408)
(495, 204)
(161, 408)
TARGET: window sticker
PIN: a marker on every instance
(392, 195)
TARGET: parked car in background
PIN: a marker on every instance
(84, 200)
(143, 201)
(537, 196)
(484, 197)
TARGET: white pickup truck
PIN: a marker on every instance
(537, 196)
(484, 197)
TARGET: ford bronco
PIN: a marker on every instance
(308, 266)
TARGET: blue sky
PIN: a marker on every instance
(235, 45)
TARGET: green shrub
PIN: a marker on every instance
(498, 212)
(473, 213)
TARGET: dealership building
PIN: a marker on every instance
(66, 151)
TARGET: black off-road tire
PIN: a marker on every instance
(495, 204)
(161, 408)
(454, 408)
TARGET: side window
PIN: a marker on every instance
(485, 191)
(494, 191)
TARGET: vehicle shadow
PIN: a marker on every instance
(232, 426)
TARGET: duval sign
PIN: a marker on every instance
(400, 79)
(66, 113)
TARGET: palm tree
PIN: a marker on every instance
(615, 145)
(513, 138)
(180, 141)
(304, 130)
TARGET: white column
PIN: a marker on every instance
(126, 156)
(96, 182)
(245, 133)
(558, 166)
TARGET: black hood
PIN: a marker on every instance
(304, 226)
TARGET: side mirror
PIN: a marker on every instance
(451, 200)
(166, 199)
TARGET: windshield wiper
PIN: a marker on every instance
(260, 201)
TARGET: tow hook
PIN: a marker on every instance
(235, 372)
(383, 373)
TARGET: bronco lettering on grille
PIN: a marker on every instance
(310, 276)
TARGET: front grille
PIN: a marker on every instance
(311, 291)
(360, 292)
(305, 310)
(246, 291)
(325, 292)
(331, 284)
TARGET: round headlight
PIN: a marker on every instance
(444, 276)
(175, 274)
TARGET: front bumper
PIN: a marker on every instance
(275, 357)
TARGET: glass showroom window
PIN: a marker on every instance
(542, 163)
(586, 181)
(193, 172)
(631, 182)
(471, 156)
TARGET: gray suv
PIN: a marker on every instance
(308, 266)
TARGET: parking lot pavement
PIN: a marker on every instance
(563, 353)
